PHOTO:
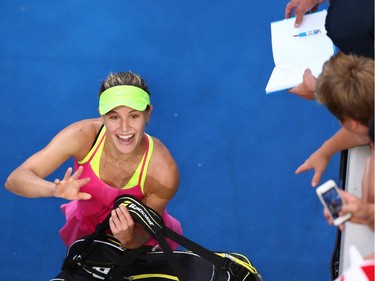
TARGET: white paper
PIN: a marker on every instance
(292, 55)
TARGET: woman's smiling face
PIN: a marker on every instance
(125, 127)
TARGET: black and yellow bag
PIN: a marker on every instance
(100, 257)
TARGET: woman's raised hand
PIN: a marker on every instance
(70, 186)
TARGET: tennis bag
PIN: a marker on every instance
(99, 256)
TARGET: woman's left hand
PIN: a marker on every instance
(122, 225)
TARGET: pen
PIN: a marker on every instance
(308, 33)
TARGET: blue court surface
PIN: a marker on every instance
(207, 64)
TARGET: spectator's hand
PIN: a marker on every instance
(362, 212)
(317, 161)
(330, 221)
(69, 187)
(121, 224)
(300, 8)
(306, 89)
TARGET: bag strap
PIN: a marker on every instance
(84, 251)
(225, 262)
(153, 223)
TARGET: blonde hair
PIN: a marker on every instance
(123, 78)
(346, 87)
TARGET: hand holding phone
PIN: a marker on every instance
(329, 195)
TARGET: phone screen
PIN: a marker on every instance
(333, 201)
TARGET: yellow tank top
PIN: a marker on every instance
(93, 157)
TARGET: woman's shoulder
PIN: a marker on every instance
(160, 150)
(162, 159)
(163, 171)
(79, 136)
(86, 127)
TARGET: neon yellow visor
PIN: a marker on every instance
(125, 95)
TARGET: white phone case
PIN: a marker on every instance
(329, 195)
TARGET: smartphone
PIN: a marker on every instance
(329, 195)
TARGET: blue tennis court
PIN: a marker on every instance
(207, 64)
